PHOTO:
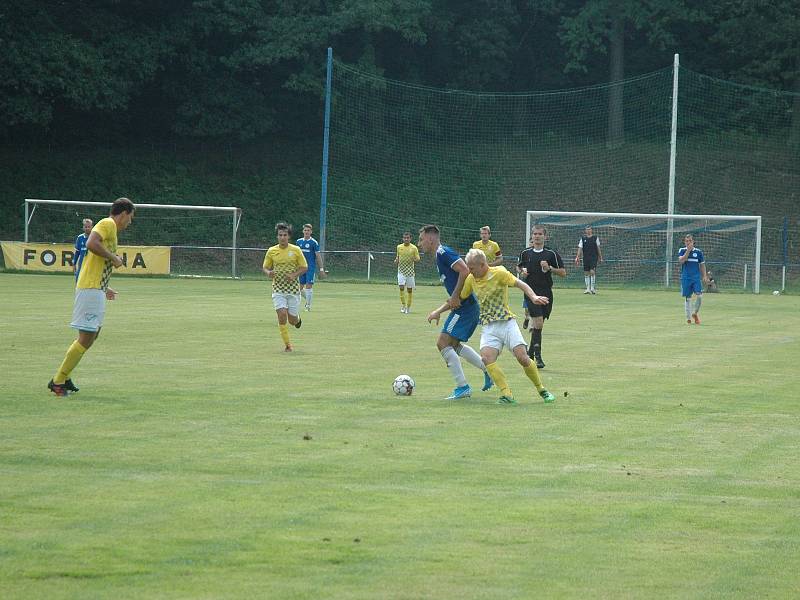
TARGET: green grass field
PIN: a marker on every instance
(200, 461)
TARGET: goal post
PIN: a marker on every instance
(640, 248)
(171, 225)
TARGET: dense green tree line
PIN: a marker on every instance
(241, 69)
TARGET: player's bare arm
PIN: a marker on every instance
(463, 271)
(435, 314)
(95, 245)
(295, 274)
(532, 296)
(322, 272)
(497, 261)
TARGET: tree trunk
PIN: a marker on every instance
(616, 114)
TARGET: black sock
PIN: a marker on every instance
(536, 341)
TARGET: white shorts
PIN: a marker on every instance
(406, 281)
(89, 309)
(499, 334)
(291, 302)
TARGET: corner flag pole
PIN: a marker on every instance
(323, 204)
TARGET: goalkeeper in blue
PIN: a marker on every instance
(463, 319)
(693, 275)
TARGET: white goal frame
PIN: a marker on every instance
(235, 212)
(533, 216)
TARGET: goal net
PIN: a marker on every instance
(202, 239)
(642, 249)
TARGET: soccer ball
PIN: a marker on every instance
(403, 385)
(776, 293)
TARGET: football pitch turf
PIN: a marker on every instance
(200, 461)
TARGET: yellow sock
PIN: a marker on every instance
(284, 333)
(533, 374)
(403, 297)
(499, 378)
(408, 301)
(71, 360)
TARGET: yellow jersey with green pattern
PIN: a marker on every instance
(491, 249)
(284, 261)
(492, 293)
(406, 257)
(96, 270)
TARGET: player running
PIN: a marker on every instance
(407, 256)
(284, 263)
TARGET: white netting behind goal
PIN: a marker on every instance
(641, 249)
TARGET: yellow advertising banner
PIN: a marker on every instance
(136, 260)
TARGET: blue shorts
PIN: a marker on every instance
(691, 286)
(462, 322)
(307, 277)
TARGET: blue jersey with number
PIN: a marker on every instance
(310, 247)
(80, 253)
(446, 257)
(690, 270)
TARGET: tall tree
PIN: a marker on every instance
(88, 56)
(759, 43)
(601, 26)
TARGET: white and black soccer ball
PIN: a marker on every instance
(403, 385)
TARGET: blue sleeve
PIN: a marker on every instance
(450, 256)
(700, 259)
(681, 252)
(316, 246)
(78, 243)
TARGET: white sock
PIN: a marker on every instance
(309, 294)
(587, 279)
(698, 300)
(472, 357)
(454, 366)
(591, 279)
(687, 304)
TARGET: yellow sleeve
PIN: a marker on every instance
(268, 263)
(302, 262)
(497, 251)
(476, 244)
(416, 254)
(467, 289)
(104, 228)
(508, 277)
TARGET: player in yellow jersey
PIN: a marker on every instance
(407, 256)
(92, 291)
(499, 327)
(494, 256)
(284, 263)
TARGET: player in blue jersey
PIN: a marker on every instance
(462, 320)
(693, 275)
(310, 249)
(80, 247)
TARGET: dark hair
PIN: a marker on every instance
(283, 227)
(122, 205)
(429, 229)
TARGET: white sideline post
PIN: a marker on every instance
(235, 213)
